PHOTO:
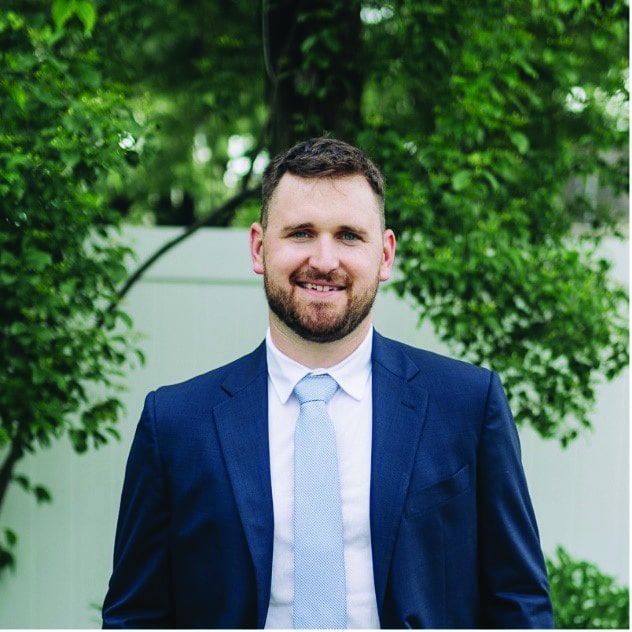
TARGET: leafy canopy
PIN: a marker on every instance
(480, 190)
(585, 598)
(501, 127)
(61, 261)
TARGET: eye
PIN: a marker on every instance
(299, 234)
(349, 236)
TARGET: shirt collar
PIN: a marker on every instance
(352, 373)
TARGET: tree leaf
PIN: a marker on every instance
(87, 13)
(520, 142)
(11, 537)
(62, 11)
(461, 180)
(42, 495)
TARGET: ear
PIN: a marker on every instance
(256, 247)
(388, 255)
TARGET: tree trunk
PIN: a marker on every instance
(313, 61)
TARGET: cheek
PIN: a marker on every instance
(280, 261)
(367, 266)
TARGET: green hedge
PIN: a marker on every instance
(584, 598)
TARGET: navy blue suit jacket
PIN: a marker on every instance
(454, 537)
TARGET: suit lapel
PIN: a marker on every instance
(399, 411)
(242, 425)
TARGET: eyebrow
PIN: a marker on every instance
(353, 229)
(341, 229)
(293, 227)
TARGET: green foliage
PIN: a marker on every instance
(8, 540)
(494, 123)
(584, 598)
(85, 11)
(479, 189)
(196, 77)
(60, 254)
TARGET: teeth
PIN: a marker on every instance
(320, 288)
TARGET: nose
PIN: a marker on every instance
(324, 256)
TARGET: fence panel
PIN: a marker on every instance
(202, 306)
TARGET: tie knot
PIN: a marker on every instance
(316, 388)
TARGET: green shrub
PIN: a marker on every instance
(583, 597)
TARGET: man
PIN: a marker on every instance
(331, 478)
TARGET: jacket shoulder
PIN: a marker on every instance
(214, 385)
(432, 369)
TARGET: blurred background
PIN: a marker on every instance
(132, 141)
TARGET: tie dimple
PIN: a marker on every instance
(319, 573)
(316, 388)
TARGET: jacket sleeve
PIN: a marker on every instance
(139, 594)
(513, 579)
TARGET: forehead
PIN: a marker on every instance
(322, 198)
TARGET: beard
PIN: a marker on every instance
(315, 321)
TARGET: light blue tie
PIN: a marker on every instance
(319, 566)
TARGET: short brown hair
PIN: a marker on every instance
(320, 158)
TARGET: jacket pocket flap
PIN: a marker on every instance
(438, 493)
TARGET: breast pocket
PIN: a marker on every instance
(439, 493)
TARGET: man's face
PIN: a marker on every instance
(323, 255)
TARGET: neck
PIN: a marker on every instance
(316, 354)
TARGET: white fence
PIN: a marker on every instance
(199, 307)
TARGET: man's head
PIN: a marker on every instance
(321, 158)
(321, 244)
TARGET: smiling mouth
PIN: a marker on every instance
(320, 288)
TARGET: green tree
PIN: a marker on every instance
(64, 129)
(491, 121)
(584, 598)
(480, 189)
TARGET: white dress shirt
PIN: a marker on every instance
(351, 412)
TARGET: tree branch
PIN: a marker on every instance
(220, 215)
(6, 471)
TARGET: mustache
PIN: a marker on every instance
(308, 275)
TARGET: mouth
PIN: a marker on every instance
(320, 288)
